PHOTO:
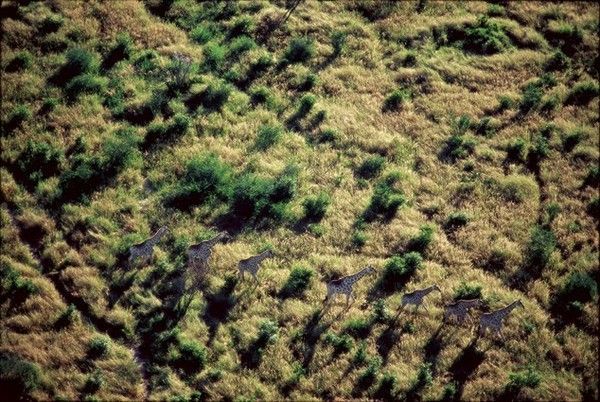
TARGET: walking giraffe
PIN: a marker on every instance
(252, 264)
(145, 249)
(460, 308)
(495, 319)
(344, 285)
(199, 253)
(417, 296)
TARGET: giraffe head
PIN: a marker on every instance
(269, 253)
(435, 287)
(519, 304)
(162, 231)
(370, 270)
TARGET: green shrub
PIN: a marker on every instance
(359, 238)
(98, 347)
(458, 147)
(368, 376)
(396, 100)
(147, 63)
(398, 270)
(388, 388)
(79, 61)
(496, 10)
(17, 117)
(360, 357)
(358, 328)
(242, 25)
(550, 104)
(410, 59)
(371, 167)
(528, 378)
(518, 188)
(558, 62)
(298, 282)
(456, 220)
(85, 84)
(582, 93)
(51, 23)
(380, 312)
(268, 135)
(579, 287)
(93, 382)
(213, 97)
(338, 42)
(14, 287)
(206, 178)
(306, 104)
(571, 140)
(67, 317)
(485, 37)
(423, 240)
(21, 61)
(386, 199)
(315, 207)
(466, 291)
(424, 376)
(241, 45)
(202, 33)
(541, 245)
(18, 377)
(461, 125)
(341, 343)
(531, 98)
(38, 161)
(328, 135)
(505, 103)
(214, 57)
(122, 50)
(307, 82)
(261, 95)
(486, 127)
(300, 49)
(192, 357)
(450, 392)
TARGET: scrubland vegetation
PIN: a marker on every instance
(448, 143)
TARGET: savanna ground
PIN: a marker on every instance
(448, 143)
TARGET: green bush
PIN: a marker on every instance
(315, 207)
(268, 135)
(298, 282)
(214, 97)
(485, 37)
(456, 220)
(98, 347)
(17, 117)
(328, 135)
(368, 376)
(18, 378)
(300, 49)
(305, 106)
(541, 245)
(192, 357)
(398, 270)
(147, 63)
(386, 199)
(307, 82)
(423, 240)
(93, 382)
(582, 93)
(466, 291)
(558, 62)
(67, 317)
(202, 33)
(79, 61)
(505, 103)
(579, 287)
(85, 84)
(13, 287)
(358, 328)
(388, 388)
(261, 95)
(518, 188)
(242, 25)
(486, 127)
(424, 376)
(341, 343)
(214, 57)
(338, 42)
(531, 98)
(528, 378)
(496, 10)
(51, 23)
(458, 147)
(38, 161)
(206, 178)
(359, 238)
(571, 140)
(21, 61)
(241, 45)
(122, 50)
(360, 357)
(396, 100)
(371, 167)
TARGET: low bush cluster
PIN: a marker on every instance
(371, 167)
(300, 49)
(398, 270)
(386, 199)
(298, 282)
(315, 207)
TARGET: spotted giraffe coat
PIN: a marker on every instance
(459, 309)
(495, 319)
(252, 264)
(416, 298)
(344, 285)
(145, 249)
(198, 254)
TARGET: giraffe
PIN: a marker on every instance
(199, 253)
(344, 284)
(416, 297)
(145, 249)
(494, 319)
(252, 264)
(460, 308)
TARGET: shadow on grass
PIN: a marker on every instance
(219, 306)
(465, 365)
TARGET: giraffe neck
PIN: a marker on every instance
(156, 237)
(215, 239)
(428, 290)
(262, 256)
(355, 277)
(503, 312)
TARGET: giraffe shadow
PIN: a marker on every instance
(433, 347)
(311, 334)
(218, 307)
(465, 365)
(390, 337)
